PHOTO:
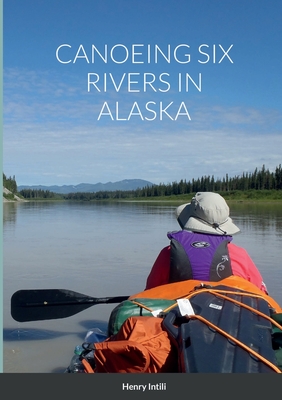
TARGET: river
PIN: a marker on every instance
(101, 250)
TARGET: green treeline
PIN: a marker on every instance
(260, 180)
(33, 194)
(10, 183)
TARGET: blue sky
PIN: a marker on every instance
(58, 128)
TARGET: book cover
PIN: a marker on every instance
(159, 91)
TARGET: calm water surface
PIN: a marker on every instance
(101, 250)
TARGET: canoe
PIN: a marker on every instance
(188, 327)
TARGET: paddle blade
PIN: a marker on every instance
(44, 304)
(42, 313)
(36, 305)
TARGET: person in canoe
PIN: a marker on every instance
(203, 248)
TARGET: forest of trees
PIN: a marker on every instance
(260, 179)
(34, 194)
(10, 183)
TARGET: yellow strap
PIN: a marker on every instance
(247, 348)
(219, 293)
(87, 367)
(141, 305)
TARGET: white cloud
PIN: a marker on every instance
(51, 136)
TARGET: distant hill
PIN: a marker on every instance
(126, 184)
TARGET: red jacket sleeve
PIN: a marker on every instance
(242, 265)
(159, 274)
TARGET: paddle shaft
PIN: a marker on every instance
(89, 301)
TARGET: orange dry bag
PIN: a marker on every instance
(140, 346)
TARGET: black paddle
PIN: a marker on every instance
(42, 304)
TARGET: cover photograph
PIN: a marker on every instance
(141, 149)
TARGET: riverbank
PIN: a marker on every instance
(236, 196)
(8, 196)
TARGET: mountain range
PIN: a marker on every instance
(126, 184)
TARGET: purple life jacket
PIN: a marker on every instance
(199, 256)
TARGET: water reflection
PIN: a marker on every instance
(258, 217)
(27, 334)
(102, 249)
(9, 213)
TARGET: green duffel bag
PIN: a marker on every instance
(136, 307)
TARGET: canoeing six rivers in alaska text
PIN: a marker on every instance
(145, 82)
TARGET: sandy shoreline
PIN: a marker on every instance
(16, 198)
